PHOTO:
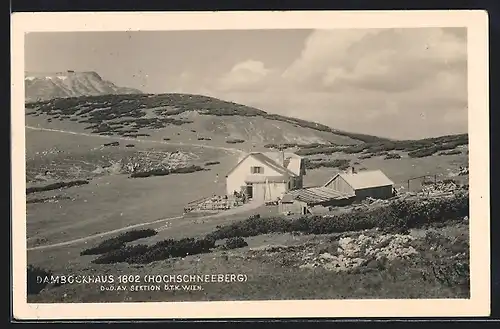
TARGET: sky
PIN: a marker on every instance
(399, 83)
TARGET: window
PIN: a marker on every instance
(257, 170)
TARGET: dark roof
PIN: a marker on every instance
(315, 195)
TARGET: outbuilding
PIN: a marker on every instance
(373, 183)
(303, 201)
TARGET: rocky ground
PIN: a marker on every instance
(365, 250)
(56, 165)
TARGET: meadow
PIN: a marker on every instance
(112, 202)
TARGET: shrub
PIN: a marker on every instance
(149, 173)
(354, 149)
(452, 152)
(392, 156)
(337, 163)
(55, 186)
(112, 144)
(33, 286)
(396, 216)
(142, 254)
(121, 254)
(234, 243)
(186, 170)
(421, 153)
(129, 145)
(319, 150)
(235, 141)
(118, 241)
(165, 172)
(212, 163)
(166, 139)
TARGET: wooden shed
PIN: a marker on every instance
(302, 200)
(374, 184)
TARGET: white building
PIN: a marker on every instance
(266, 176)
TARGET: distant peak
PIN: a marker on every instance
(62, 73)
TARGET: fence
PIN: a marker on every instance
(213, 203)
(415, 184)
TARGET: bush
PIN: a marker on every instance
(337, 163)
(121, 254)
(118, 241)
(33, 287)
(55, 186)
(452, 152)
(129, 145)
(392, 156)
(421, 153)
(212, 163)
(142, 254)
(319, 150)
(234, 243)
(165, 172)
(149, 173)
(396, 216)
(112, 144)
(235, 141)
(354, 149)
(186, 170)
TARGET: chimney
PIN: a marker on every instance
(353, 171)
(282, 157)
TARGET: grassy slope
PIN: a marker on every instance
(117, 201)
(152, 112)
(268, 277)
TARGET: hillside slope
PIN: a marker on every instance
(45, 86)
(185, 117)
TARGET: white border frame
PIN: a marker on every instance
(478, 96)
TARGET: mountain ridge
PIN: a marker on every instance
(133, 114)
(41, 86)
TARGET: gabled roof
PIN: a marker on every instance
(364, 179)
(267, 161)
(292, 161)
(315, 195)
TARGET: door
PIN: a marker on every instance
(249, 190)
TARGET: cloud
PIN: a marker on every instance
(392, 60)
(401, 83)
(250, 75)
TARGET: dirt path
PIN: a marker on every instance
(228, 149)
(244, 208)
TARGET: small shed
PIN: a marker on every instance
(373, 183)
(303, 200)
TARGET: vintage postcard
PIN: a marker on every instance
(250, 164)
